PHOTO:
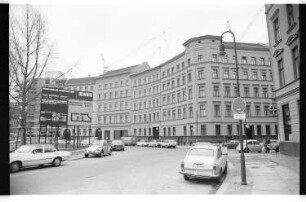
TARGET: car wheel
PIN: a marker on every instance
(86, 155)
(186, 178)
(246, 150)
(57, 162)
(101, 154)
(15, 167)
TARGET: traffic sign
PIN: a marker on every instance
(239, 116)
(238, 105)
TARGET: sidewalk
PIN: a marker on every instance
(267, 174)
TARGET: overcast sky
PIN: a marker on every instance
(129, 34)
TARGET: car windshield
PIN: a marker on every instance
(201, 152)
(24, 149)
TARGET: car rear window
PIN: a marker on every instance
(201, 152)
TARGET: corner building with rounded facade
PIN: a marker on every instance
(188, 98)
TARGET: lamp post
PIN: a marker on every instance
(242, 159)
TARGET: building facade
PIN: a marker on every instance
(283, 30)
(188, 98)
(112, 103)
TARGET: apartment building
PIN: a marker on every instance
(283, 29)
(189, 97)
(112, 103)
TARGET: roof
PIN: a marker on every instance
(239, 45)
(242, 45)
(84, 80)
(116, 72)
(201, 38)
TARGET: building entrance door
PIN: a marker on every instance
(155, 133)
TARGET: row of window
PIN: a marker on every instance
(146, 80)
(116, 84)
(245, 74)
(116, 94)
(113, 119)
(146, 92)
(181, 111)
(113, 106)
(171, 131)
(244, 93)
(146, 118)
(244, 60)
(146, 104)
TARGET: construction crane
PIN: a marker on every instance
(251, 23)
(141, 46)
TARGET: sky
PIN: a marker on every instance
(117, 35)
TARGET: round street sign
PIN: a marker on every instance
(238, 105)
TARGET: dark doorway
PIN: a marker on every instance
(107, 135)
(67, 135)
(155, 133)
(99, 134)
(180, 140)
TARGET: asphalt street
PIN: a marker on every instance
(134, 171)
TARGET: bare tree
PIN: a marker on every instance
(29, 55)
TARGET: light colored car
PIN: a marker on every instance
(200, 143)
(117, 145)
(204, 162)
(36, 155)
(142, 143)
(250, 146)
(130, 141)
(98, 148)
(168, 143)
(154, 143)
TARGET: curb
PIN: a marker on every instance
(226, 182)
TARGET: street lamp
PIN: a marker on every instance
(222, 53)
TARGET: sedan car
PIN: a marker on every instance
(232, 144)
(154, 143)
(36, 155)
(168, 143)
(142, 143)
(204, 162)
(98, 148)
(118, 145)
(250, 146)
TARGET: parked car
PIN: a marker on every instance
(168, 143)
(98, 148)
(118, 145)
(154, 143)
(274, 144)
(142, 143)
(232, 144)
(250, 146)
(36, 155)
(129, 141)
(204, 162)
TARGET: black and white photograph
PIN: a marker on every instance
(179, 98)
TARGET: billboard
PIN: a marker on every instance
(55, 102)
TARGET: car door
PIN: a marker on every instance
(49, 153)
(257, 146)
(37, 156)
(220, 159)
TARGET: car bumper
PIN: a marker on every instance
(92, 152)
(199, 176)
(117, 148)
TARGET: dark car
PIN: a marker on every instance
(118, 145)
(232, 144)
